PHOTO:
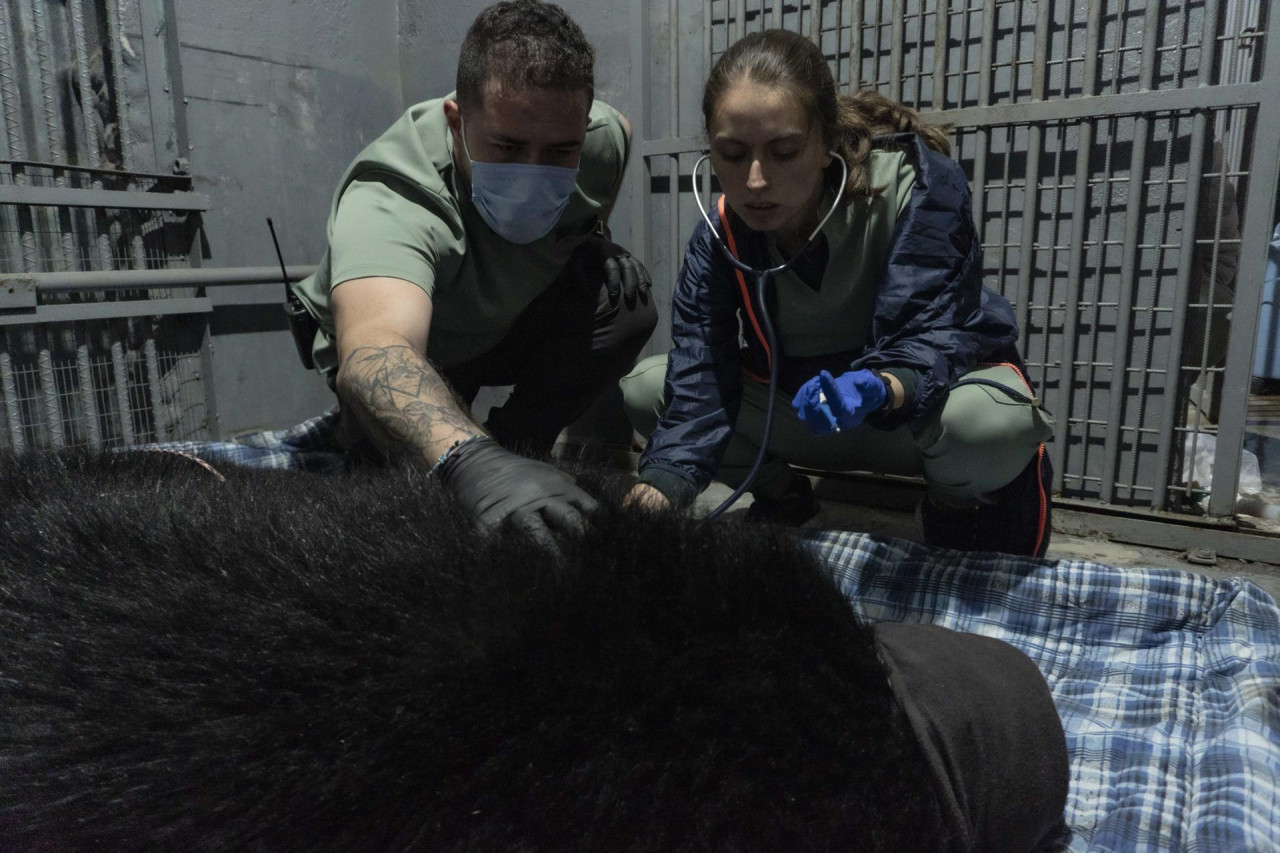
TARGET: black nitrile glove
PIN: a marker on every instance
(496, 485)
(599, 261)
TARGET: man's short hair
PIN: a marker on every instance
(521, 44)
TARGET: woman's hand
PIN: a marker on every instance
(644, 496)
(829, 404)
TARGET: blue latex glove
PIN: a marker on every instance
(828, 404)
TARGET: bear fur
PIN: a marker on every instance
(289, 661)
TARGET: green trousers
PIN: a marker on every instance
(978, 440)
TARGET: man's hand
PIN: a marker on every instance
(496, 485)
(827, 404)
(600, 262)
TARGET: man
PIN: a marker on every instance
(467, 247)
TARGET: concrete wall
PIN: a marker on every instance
(280, 97)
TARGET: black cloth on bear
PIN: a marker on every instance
(985, 720)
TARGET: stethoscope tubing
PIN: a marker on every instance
(762, 278)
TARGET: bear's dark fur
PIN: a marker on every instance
(284, 661)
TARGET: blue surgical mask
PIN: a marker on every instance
(522, 202)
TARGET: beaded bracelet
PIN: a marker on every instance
(450, 449)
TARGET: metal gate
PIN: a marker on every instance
(95, 199)
(1124, 159)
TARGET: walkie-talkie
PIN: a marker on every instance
(302, 325)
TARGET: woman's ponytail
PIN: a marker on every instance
(866, 115)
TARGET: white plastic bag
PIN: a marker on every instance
(1197, 469)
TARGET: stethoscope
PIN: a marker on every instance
(761, 278)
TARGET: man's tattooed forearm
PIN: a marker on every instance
(400, 397)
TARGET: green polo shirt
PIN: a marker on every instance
(835, 317)
(402, 211)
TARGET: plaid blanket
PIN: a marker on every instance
(310, 446)
(1167, 682)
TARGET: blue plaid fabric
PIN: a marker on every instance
(1167, 682)
(310, 446)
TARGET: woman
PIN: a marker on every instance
(894, 357)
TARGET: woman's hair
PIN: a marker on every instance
(849, 123)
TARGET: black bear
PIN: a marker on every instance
(270, 660)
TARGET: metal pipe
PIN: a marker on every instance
(160, 419)
(1209, 42)
(1143, 359)
(1093, 33)
(89, 311)
(673, 76)
(1124, 320)
(962, 86)
(919, 99)
(115, 34)
(173, 85)
(855, 47)
(939, 54)
(985, 81)
(837, 30)
(213, 427)
(1031, 181)
(1255, 233)
(777, 15)
(1075, 263)
(93, 146)
(120, 372)
(1185, 30)
(673, 218)
(10, 101)
(640, 22)
(49, 391)
(1100, 276)
(815, 22)
(88, 397)
(1178, 321)
(16, 143)
(984, 99)
(59, 221)
(708, 23)
(1070, 322)
(982, 147)
(1128, 103)
(78, 282)
(64, 196)
(1006, 191)
(127, 176)
(13, 411)
(1051, 265)
(1040, 53)
(48, 87)
(1117, 55)
(897, 20)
